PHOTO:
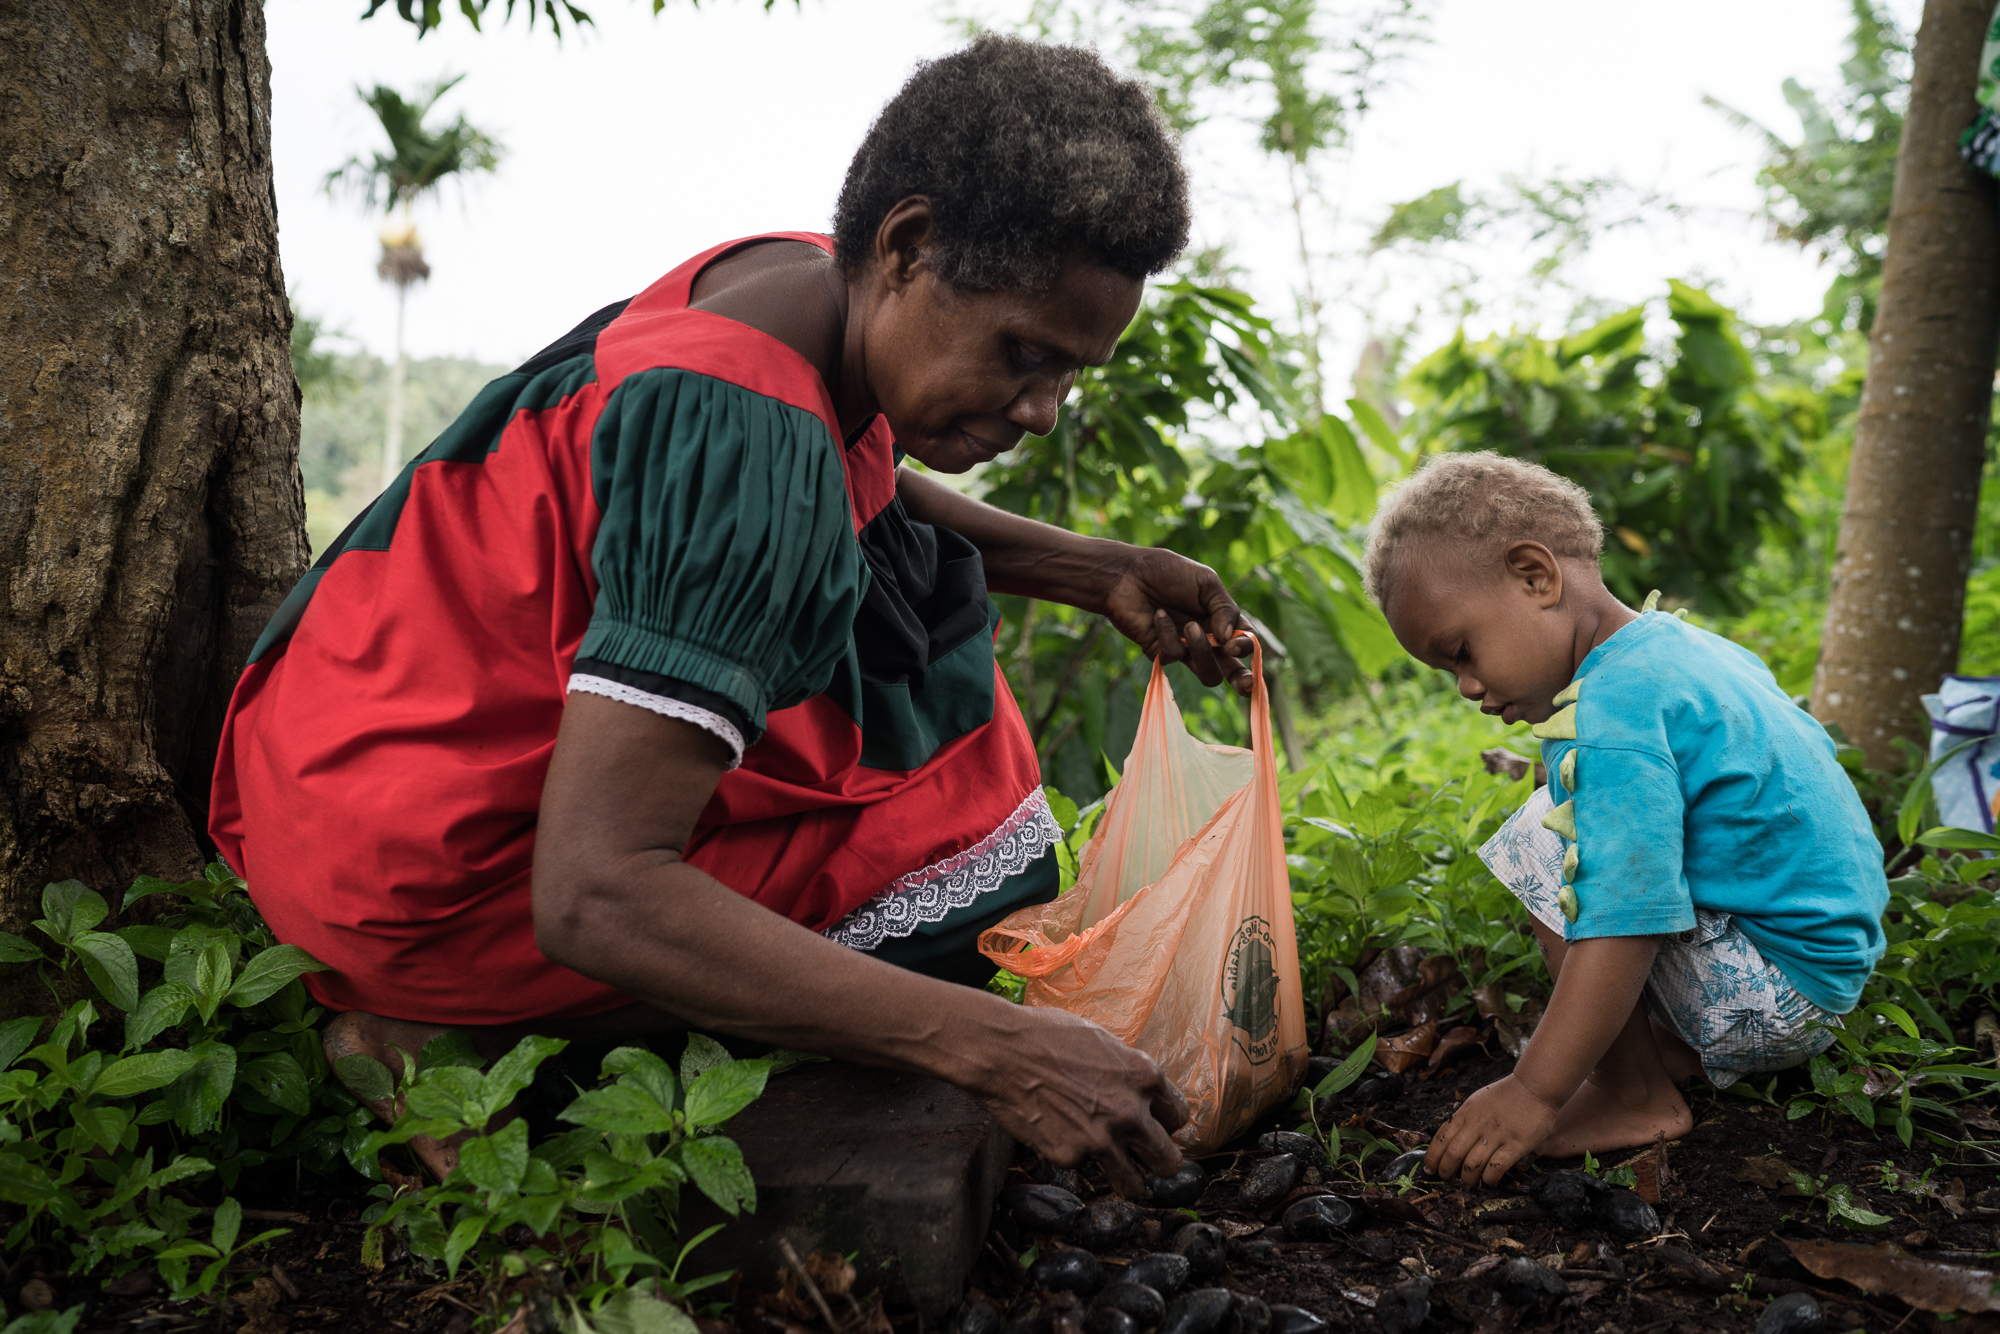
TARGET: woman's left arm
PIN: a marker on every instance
(1167, 604)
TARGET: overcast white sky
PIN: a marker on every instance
(637, 144)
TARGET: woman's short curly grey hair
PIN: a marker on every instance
(1028, 152)
(1471, 505)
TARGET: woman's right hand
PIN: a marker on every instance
(1069, 1090)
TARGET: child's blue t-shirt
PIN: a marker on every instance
(1697, 783)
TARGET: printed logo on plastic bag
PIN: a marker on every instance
(1250, 989)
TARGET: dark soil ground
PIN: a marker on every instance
(1718, 1259)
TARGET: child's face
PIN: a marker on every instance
(1503, 632)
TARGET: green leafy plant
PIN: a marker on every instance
(600, 1200)
(1886, 1059)
(214, 1069)
(1840, 1202)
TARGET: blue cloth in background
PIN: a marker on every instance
(1699, 784)
(1966, 709)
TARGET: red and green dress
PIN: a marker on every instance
(659, 508)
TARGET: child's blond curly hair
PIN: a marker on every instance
(1462, 502)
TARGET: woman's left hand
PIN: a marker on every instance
(1171, 607)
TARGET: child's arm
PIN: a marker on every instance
(1502, 1123)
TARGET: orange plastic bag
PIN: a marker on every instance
(1178, 934)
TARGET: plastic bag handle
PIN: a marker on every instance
(1038, 957)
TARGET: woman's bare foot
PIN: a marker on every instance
(357, 1034)
(1595, 1119)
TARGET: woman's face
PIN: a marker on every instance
(962, 376)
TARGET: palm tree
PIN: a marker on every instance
(419, 160)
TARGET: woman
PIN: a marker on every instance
(655, 692)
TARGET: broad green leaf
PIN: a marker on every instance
(180, 1169)
(1354, 487)
(270, 969)
(105, 1125)
(1372, 424)
(724, 1091)
(448, 1093)
(425, 1233)
(621, 1109)
(1917, 799)
(465, 1234)
(1897, 1015)
(1971, 840)
(279, 1079)
(212, 971)
(184, 955)
(630, 1311)
(111, 966)
(13, 949)
(149, 942)
(514, 1072)
(496, 1162)
(137, 1074)
(16, 1036)
(1348, 1071)
(704, 1053)
(716, 1166)
(365, 1077)
(159, 1010)
(70, 910)
(636, 1065)
(146, 886)
(228, 1222)
(451, 1047)
(47, 1322)
(197, 1097)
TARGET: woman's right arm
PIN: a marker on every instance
(614, 901)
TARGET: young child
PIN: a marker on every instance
(1703, 880)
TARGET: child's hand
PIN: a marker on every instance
(1492, 1130)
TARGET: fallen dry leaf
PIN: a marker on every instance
(259, 1304)
(1424, 1000)
(1979, 1120)
(1452, 1044)
(1887, 1268)
(1398, 1054)
(831, 1271)
(1512, 1027)
(1346, 1027)
(1770, 1173)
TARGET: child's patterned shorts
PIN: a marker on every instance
(1709, 984)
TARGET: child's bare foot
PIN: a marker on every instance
(1595, 1120)
(357, 1034)
(1682, 1062)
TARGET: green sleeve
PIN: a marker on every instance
(726, 556)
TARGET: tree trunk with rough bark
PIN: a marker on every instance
(151, 512)
(1894, 618)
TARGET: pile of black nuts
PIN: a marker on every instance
(1163, 1291)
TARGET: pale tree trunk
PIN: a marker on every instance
(151, 512)
(392, 438)
(1905, 548)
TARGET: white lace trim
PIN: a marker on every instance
(665, 705)
(925, 896)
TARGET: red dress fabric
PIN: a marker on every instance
(382, 762)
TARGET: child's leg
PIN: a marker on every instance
(1629, 1099)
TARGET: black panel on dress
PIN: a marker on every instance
(927, 597)
(581, 339)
